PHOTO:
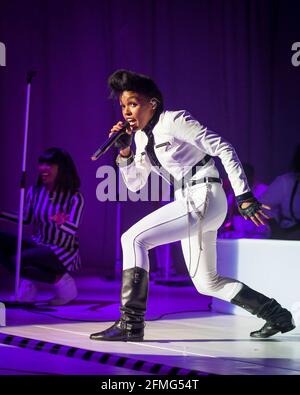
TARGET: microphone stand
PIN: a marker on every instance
(17, 303)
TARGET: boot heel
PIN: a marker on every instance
(287, 329)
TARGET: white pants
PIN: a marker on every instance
(179, 221)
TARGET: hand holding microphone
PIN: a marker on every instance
(120, 136)
(125, 140)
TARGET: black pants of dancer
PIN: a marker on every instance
(37, 262)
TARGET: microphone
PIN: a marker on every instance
(111, 140)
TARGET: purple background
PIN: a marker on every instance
(227, 62)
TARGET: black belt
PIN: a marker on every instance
(199, 181)
(205, 179)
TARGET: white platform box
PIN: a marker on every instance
(271, 267)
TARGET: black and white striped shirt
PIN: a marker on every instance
(40, 206)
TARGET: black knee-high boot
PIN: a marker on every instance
(130, 326)
(278, 319)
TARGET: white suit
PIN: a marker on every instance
(198, 210)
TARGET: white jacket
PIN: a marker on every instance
(181, 142)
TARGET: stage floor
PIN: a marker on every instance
(181, 337)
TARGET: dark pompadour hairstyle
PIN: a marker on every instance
(125, 80)
(67, 177)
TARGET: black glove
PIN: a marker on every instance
(251, 210)
(124, 141)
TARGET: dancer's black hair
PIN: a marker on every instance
(126, 80)
(67, 177)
